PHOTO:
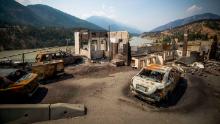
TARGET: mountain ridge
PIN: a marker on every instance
(13, 13)
(198, 30)
(104, 22)
(187, 20)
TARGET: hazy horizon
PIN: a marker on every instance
(144, 15)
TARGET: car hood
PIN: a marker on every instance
(148, 83)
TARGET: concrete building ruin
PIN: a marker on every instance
(120, 46)
(93, 45)
(158, 54)
(102, 45)
(152, 58)
(201, 47)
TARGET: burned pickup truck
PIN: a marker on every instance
(155, 82)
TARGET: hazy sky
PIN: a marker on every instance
(142, 14)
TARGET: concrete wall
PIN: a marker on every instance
(97, 54)
(179, 53)
(30, 113)
(103, 45)
(77, 44)
(168, 55)
(97, 44)
(117, 35)
(84, 53)
(145, 49)
(140, 62)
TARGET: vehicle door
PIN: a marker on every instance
(170, 82)
(65, 58)
(173, 78)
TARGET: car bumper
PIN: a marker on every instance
(20, 92)
(151, 98)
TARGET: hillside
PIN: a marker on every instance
(14, 13)
(53, 17)
(34, 26)
(27, 37)
(184, 21)
(200, 30)
(115, 26)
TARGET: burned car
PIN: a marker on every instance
(7, 63)
(48, 69)
(59, 55)
(155, 82)
(18, 83)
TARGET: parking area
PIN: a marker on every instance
(105, 92)
(104, 89)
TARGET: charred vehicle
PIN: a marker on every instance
(7, 63)
(48, 69)
(18, 83)
(59, 55)
(155, 82)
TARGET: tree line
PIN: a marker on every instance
(28, 37)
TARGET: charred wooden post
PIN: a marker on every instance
(127, 53)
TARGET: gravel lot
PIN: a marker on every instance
(105, 92)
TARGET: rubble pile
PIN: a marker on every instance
(194, 70)
(212, 67)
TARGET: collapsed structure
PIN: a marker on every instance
(155, 53)
(97, 45)
(114, 46)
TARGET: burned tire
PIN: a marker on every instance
(167, 98)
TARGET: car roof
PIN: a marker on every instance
(51, 52)
(159, 68)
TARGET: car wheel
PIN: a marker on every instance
(168, 96)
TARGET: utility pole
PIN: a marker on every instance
(174, 48)
(109, 42)
(67, 43)
(185, 43)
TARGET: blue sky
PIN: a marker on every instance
(142, 14)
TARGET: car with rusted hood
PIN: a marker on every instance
(48, 69)
(58, 55)
(18, 83)
(155, 83)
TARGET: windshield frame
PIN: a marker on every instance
(151, 75)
